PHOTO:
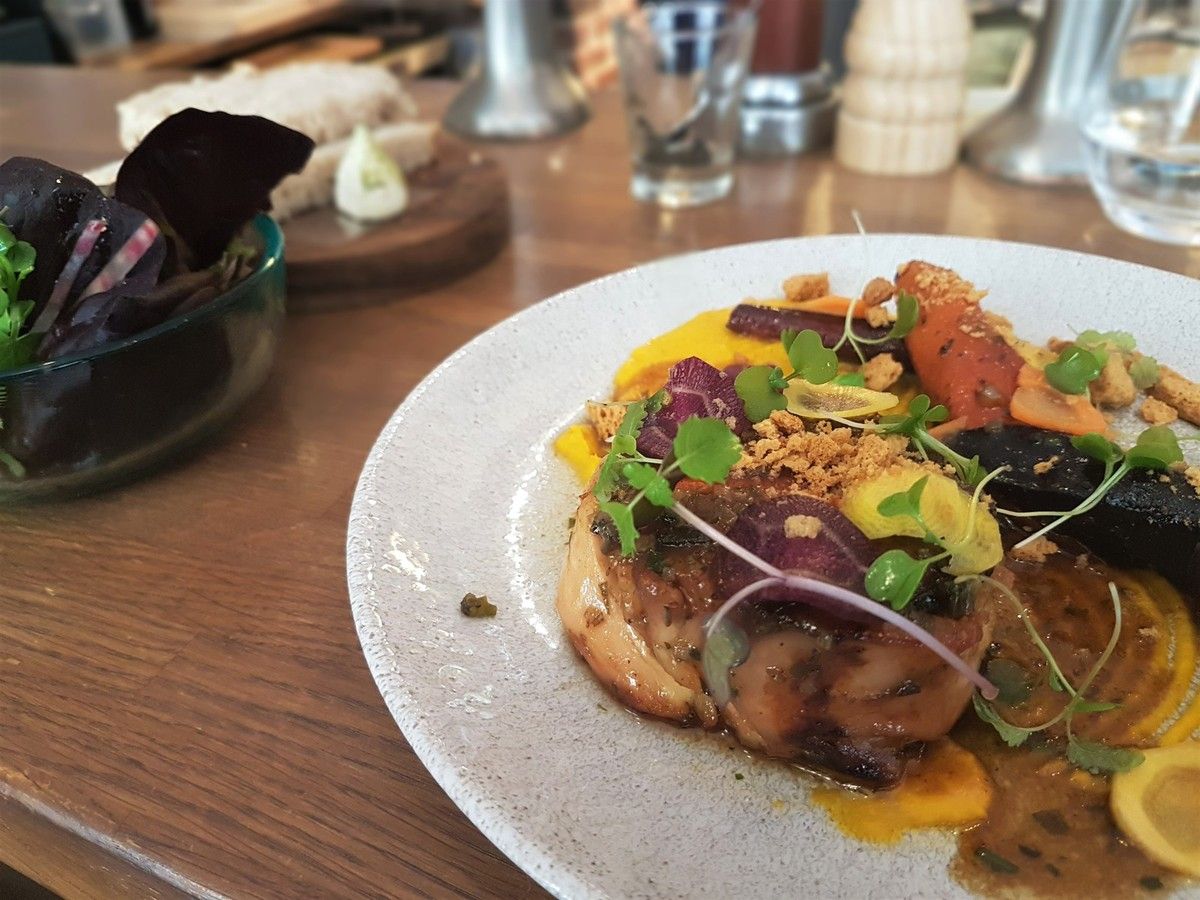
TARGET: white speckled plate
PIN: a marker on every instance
(462, 493)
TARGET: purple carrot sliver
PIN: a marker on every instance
(694, 388)
(770, 322)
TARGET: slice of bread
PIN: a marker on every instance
(323, 100)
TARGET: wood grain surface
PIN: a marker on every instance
(457, 220)
(184, 704)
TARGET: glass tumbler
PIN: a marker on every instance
(1141, 122)
(682, 67)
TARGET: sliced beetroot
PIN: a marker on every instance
(694, 388)
(770, 322)
(838, 553)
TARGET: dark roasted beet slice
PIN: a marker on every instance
(838, 554)
(769, 322)
(694, 388)
(1144, 520)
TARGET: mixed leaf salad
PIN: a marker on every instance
(82, 267)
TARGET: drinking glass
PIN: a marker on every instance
(1140, 124)
(682, 68)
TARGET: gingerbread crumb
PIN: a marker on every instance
(806, 287)
(801, 526)
(1037, 551)
(606, 418)
(1172, 388)
(881, 372)
(877, 292)
(1045, 465)
(1114, 387)
(820, 460)
(878, 317)
(1156, 412)
(1192, 474)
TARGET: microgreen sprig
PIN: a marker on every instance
(907, 313)
(1156, 449)
(914, 424)
(704, 449)
(17, 259)
(1074, 370)
(1090, 755)
(895, 576)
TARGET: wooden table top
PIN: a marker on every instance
(184, 703)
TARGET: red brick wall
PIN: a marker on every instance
(586, 32)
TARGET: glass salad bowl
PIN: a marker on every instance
(79, 423)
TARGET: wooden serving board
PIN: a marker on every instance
(457, 220)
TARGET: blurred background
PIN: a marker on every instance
(436, 38)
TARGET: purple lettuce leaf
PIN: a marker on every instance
(49, 207)
(203, 175)
(694, 388)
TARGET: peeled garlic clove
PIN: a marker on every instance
(369, 186)
(819, 401)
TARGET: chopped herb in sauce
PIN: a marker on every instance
(1031, 852)
(1151, 883)
(996, 862)
(738, 776)
(477, 606)
(1052, 820)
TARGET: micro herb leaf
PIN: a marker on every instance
(1074, 370)
(1101, 758)
(1156, 448)
(851, 379)
(907, 313)
(1010, 734)
(894, 578)
(647, 479)
(758, 387)
(706, 449)
(811, 359)
(1056, 683)
(21, 257)
(1098, 447)
(622, 518)
(1121, 341)
(624, 445)
(1092, 706)
(905, 503)
(1144, 372)
(17, 259)
(725, 648)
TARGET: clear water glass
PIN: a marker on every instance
(1141, 122)
(682, 68)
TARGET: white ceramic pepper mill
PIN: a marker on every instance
(903, 96)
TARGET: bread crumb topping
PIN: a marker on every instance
(819, 460)
(801, 527)
(1156, 412)
(806, 287)
(1036, 551)
(881, 372)
(1041, 468)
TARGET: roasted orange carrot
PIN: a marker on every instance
(1035, 402)
(830, 304)
(959, 356)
